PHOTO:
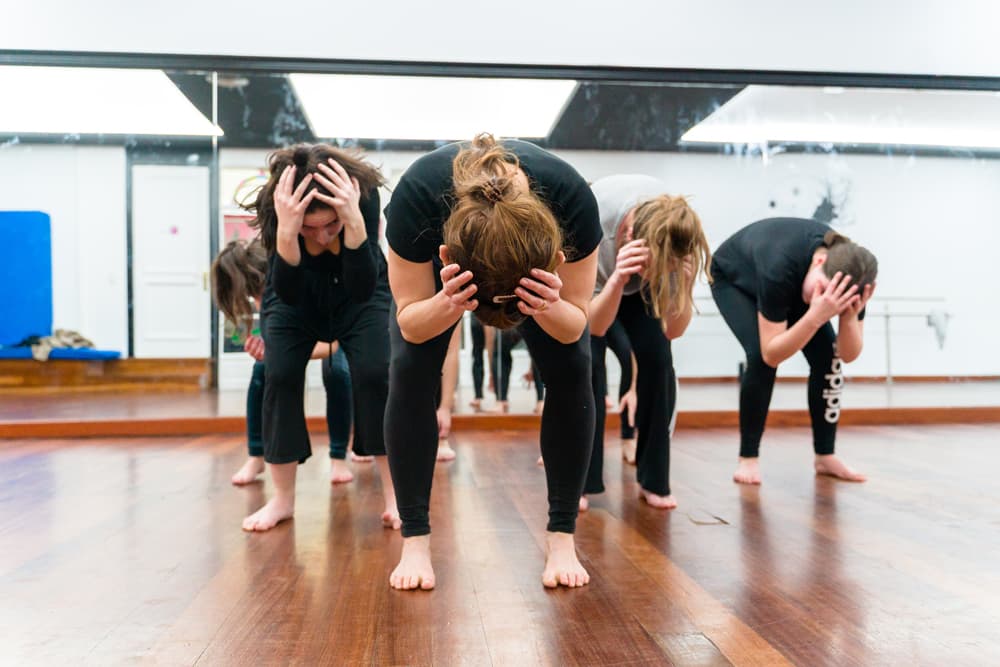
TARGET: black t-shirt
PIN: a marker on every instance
(423, 199)
(769, 260)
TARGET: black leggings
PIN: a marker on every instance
(289, 343)
(617, 342)
(411, 428)
(478, 349)
(656, 398)
(506, 340)
(826, 378)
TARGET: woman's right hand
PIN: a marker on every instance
(457, 288)
(830, 301)
(290, 205)
(631, 260)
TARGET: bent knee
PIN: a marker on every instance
(571, 369)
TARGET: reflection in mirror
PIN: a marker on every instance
(105, 215)
(908, 173)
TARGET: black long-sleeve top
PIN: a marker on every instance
(323, 285)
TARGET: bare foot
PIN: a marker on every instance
(390, 517)
(539, 407)
(628, 450)
(414, 569)
(500, 408)
(339, 472)
(748, 471)
(562, 567)
(540, 462)
(659, 502)
(832, 466)
(476, 404)
(249, 472)
(445, 452)
(609, 405)
(584, 504)
(270, 515)
(357, 458)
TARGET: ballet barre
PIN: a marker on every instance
(936, 318)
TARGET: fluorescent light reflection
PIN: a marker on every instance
(429, 108)
(83, 100)
(785, 114)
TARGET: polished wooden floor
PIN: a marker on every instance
(129, 552)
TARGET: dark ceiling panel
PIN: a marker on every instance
(634, 117)
(255, 111)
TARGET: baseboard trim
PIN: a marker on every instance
(697, 419)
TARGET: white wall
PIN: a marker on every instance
(923, 37)
(83, 191)
(932, 222)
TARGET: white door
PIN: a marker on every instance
(170, 261)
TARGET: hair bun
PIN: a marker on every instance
(493, 189)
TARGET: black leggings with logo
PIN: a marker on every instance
(826, 378)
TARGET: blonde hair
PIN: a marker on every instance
(497, 230)
(672, 231)
(847, 257)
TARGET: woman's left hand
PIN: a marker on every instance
(345, 190)
(538, 293)
(858, 303)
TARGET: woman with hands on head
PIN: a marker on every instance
(509, 232)
(653, 250)
(238, 275)
(318, 216)
(778, 283)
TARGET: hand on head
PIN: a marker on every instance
(290, 204)
(458, 288)
(538, 293)
(858, 302)
(541, 291)
(687, 267)
(345, 190)
(832, 299)
(632, 259)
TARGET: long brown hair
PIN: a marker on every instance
(238, 274)
(672, 231)
(306, 158)
(846, 256)
(496, 230)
